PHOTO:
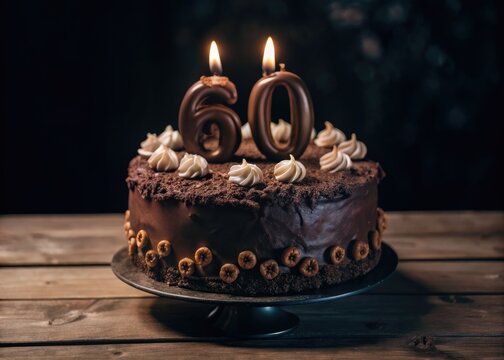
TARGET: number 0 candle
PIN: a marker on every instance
(259, 109)
(196, 114)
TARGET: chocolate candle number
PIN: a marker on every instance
(259, 109)
(196, 114)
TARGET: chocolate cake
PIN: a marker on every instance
(266, 238)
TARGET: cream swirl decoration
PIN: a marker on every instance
(149, 145)
(171, 138)
(329, 136)
(246, 132)
(163, 159)
(245, 174)
(335, 161)
(289, 170)
(167, 130)
(193, 166)
(355, 149)
(282, 131)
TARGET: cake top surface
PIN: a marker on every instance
(216, 189)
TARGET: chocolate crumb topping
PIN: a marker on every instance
(215, 188)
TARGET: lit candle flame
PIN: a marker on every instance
(214, 60)
(268, 63)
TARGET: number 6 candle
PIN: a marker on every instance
(196, 115)
(259, 109)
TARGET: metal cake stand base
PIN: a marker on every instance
(258, 316)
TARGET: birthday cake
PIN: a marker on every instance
(252, 226)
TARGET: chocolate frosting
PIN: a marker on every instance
(321, 211)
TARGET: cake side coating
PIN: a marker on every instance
(320, 213)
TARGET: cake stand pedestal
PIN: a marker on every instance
(254, 317)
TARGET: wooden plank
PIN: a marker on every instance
(419, 347)
(446, 277)
(59, 221)
(99, 281)
(56, 239)
(92, 239)
(68, 250)
(155, 319)
(448, 247)
(403, 222)
(446, 222)
(63, 282)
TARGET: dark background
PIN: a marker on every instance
(83, 81)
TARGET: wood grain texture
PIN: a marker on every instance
(415, 347)
(56, 239)
(92, 239)
(428, 309)
(105, 320)
(99, 281)
(448, 246)
(446, 222)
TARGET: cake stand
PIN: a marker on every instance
(254, 317)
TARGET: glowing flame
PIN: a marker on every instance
(214, 60)
(268, 63)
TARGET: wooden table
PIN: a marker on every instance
(59, 298)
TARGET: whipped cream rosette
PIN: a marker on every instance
(171, 138)
(354, 148)
(282, 131)
(193, 166)
(335, 161)
(246, 132)
(245, 174)
(163, 159)
(149, 145)
(329, 136)
(289, 170)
